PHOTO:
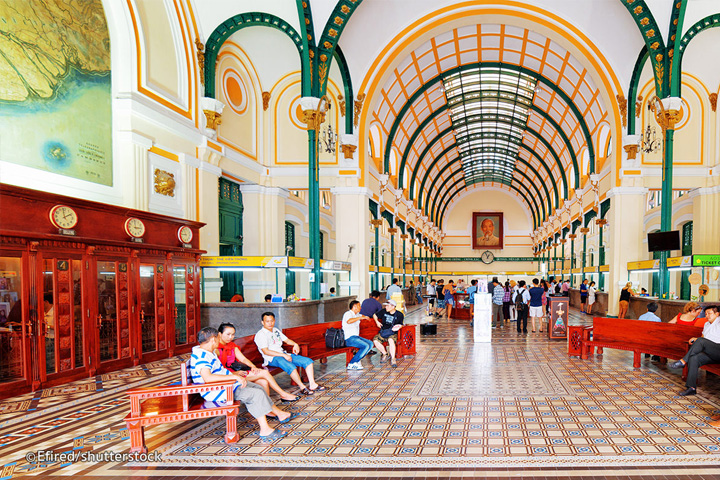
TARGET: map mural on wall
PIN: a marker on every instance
(55, 91)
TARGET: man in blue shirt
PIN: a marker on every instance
(536, 308)
(650, 314)
(583, 295)
(471, 291)
(497, 303)
(205, 367)
(394, 288)
(370, 306)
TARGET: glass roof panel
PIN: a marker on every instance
(489, 108)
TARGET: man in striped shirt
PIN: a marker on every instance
(497, 303)
(205, 367)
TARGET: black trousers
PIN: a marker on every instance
(522, 317)
(702, 352)
(506, 310)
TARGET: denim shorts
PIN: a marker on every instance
(289, 367)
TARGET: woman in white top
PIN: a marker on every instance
(591, 297)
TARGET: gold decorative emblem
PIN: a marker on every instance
(341, 101)
(266, 100)
(348, 150)
(644, 21)
(584, 230)
(622, 103)
(201, 59)
(332, 32)
(345, 9)
(713, 101)
(650, 33)
(338, 21)
(213, 119)
(164, 183)
(358, 108)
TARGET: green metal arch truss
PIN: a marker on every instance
(527, 148)
(435, 209)
(632, 91)
(524, 195)
(328, 40)
(458, 160)
(307, 29)
(347, 83)
(676, 25)
(707, 22)
(540, 78)
(554, 184)
(232, 25)
(547, 145)
(650, 32)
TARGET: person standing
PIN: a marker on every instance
(507, 301)
(449, 297)
(521, 300)
(371, 305)
(625, 295)
(497, 303)
(394, 288)
(351, 329)
(583, 295)
(536, 307)
(471, 291)
(591, 297)
(430, 292)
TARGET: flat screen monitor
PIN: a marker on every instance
(662, 241)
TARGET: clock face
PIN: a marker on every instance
(63, 217)
(134, 227)
(185, 234)
(487, 256)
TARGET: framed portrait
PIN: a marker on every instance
(4, 311)
(487, 231)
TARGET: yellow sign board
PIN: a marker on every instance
(590, 269)
(604, 268)
(680, 261)
(300, 262)
(230, 261)
(644, 265)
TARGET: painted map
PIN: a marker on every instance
(55, 90)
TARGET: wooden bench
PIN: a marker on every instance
(177, 403)
(638, 336)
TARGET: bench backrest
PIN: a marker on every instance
(311, 334)
(249, 349)
(185, 374)
(640, 331)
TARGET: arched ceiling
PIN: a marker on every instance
(491, 105)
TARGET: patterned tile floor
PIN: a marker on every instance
(516, 408)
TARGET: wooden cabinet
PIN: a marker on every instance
(92, 298)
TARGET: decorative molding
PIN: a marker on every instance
(200, 47)
(622, 104)
(618, 191)
(364, 191)
(266, 100)
(713, 101)
(358, 108)
(262, 190)
(210, 168)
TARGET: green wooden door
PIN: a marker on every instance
(687, 238)
(230, 211)
(289, 242)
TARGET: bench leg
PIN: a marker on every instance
(231, 435)
(599, 350)
(636, 358)
(348, 356)
(584, 351)
(137, 437)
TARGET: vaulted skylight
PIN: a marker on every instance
(489, 108)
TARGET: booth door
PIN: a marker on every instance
(111, 314)
(152, 310)
(185, 313)
(15, 329)
(62, 338)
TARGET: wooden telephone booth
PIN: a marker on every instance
(88, 288)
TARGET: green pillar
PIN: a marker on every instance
(601, 259)
(412, 255)
(314, 208)
(392, 255)
(572, 260)
(555, 258)
(666, 208)
(403, 259)
(584, 257)
(377, 257)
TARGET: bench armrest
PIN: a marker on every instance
(138, 394)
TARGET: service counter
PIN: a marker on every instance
(409, 295)
(667, 309)
(246, 316)
(600, 307)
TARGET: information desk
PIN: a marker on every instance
(461, 310)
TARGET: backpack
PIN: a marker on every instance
(334, 338)
(519, 303)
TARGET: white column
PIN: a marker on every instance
(135, 174)
(626, 235)
(352, 229)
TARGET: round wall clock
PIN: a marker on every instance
(185, 234)
(134, 227)
(63, 217)
(487, 257)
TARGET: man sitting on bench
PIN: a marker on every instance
(269, 341)
(703, 351)
(389, 321)
(205, 367)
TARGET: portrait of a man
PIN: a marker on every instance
(487, 230)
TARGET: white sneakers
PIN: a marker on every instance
(355, 366)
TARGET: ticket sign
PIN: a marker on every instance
(706, 260)
(300, 262)
(232, 261)
(679, 261)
